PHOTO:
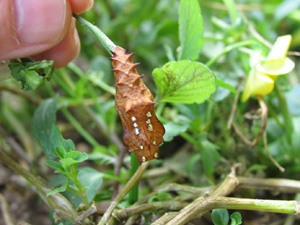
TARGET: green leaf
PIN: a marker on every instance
(43, 122)
(209, 156)
(220, 217)
(73, 157)
(185, 82)
(31, 73)
(90, 179)
(59, 189)
(236, 218)
(57, 140)
(174, 129)
(55, 165)
(225, 85)
(190, 29)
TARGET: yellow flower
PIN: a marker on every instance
(262, 77)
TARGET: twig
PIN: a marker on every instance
(136, 209)
(282, 185)
(5, 211)
(132, 220)
(86, 214)
(165, 218)
(192, 210)
(122, 194)
(275, 206)
(57, 202)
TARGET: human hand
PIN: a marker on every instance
(41, 29)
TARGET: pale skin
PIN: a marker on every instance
(40, 29)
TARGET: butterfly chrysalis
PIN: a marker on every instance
(142, 131)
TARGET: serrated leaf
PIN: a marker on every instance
(190, 29)
(184, 82)
(220, 216)
(90, 179)
(236, 218)
(43, 121)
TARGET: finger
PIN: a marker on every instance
(80, 6)
(32, 26)
(65, 51)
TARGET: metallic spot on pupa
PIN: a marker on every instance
(133, 118)
(135, 124)
(141, 147)
(150, 127)
(148, 121)
(154, 142)
(148, 114)
(155, 155)
(144, 159)
(136, 131)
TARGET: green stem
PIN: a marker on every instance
(63, 85)
(82, 192)
(189, 138)
(105, 41)
(274, 206)
(134, 192)
(79, 128)
(66, 78)
(288, 122)
(138, 209)
(228, 49)
(232, 11)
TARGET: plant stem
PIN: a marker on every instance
(57, 202)
(192, 210)
(79, 128)
(281, 185)
(138, 209)
(275, 206)
(134, 192)
(105, 41)
(228, 49)
(288, 122)
(82, 192)
(122, 194)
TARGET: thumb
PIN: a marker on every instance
(29, 27)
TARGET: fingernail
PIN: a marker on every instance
(39, 21)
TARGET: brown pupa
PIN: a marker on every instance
(142, 131)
